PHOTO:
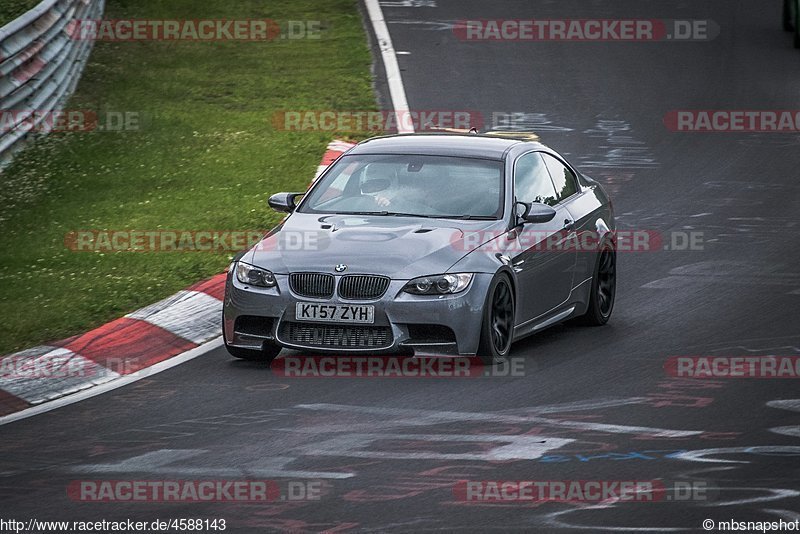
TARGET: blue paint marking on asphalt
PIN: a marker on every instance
(633, 455)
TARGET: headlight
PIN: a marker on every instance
(247, 274)
(440, 284)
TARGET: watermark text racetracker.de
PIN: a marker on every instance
(393, 366)
(195, 491)
(195, 30)
(575, 491)
(586, 30)
(713, 367)
(58, 365)
(580, 240)
(129, 240)
(376, 121)
(69, 120)
(733, 120)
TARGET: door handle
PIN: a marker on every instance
(569, 225)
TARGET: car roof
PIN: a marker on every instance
(439, 144)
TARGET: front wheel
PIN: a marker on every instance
(604, 288)
(497, 328)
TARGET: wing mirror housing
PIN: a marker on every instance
(534, 212)
(284, 202)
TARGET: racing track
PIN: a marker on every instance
(603, 390)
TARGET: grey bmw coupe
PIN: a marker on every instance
(442, 244)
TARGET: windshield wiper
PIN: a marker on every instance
(469, 217)
(400, 214)
(387, 214)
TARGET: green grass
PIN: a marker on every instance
(206, 157)
(11, 9)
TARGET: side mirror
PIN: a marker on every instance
(536, 212)
(283, 201)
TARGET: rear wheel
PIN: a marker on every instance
(604, 288)
(497, 329)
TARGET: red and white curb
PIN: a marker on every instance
(146, 341)
(335, 149)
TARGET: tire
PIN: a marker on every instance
(497, 327)
(604, 288)
(788, 16)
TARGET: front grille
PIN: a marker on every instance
(315, 285)
(339, 336)
(362, 286)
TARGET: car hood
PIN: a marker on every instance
(398, 247)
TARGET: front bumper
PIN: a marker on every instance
(397, 311)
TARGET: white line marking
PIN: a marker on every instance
(771, 494)
(408, 3)
(114, 384)
(553, 519)
(786, 404)
(513, 448)
(767, 450)
(788, 515)
(143, 462)
(423, 417)
(396, 90)
(793, 431)
(163, 462)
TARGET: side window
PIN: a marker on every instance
(532, 182)
(563, 178)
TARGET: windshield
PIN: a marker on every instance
(410, 185)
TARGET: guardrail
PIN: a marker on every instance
(40, 64)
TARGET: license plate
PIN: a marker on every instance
(341, 313)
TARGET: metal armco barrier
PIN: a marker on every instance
(40, 64)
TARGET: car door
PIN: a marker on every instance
(544, 261)
(568, 197)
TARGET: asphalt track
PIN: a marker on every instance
(388, 452)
